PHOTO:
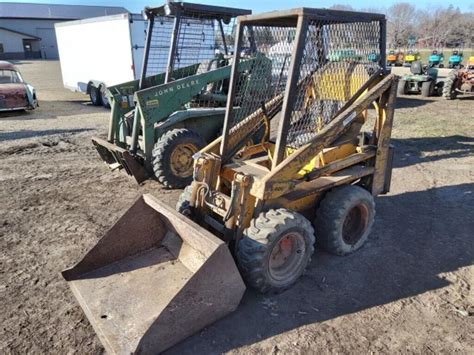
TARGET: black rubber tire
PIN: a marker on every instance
(259, 239)
(426, 88)
(162, 153)
(95, 96)
(182, 206)
(35, 103)
(438, 89)
(449, 92)
(103, 96)
(332, 213)
(433, 88)
(401, 89)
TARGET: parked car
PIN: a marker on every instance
(15, 94)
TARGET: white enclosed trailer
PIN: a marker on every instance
(105, 51)
(100, 52)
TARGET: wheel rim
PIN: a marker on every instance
(355, 224)
(287, 256)
(182, 160)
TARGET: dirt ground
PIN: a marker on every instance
(410, 289)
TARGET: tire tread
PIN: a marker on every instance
(259, 236)
(330, 213)
(163, 172)
(448, 92)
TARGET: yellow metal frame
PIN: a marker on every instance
(238, 191)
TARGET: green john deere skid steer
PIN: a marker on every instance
(160, 121)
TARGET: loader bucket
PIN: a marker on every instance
(153, 279)
(119, 158)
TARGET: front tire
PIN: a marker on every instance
(402, 87)
(344, 219)
(95, 96)
(427, 88)
(35, 103)
(173, 157)
(275, 250)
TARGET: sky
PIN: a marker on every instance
(262, 5)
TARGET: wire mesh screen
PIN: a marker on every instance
(202, 45)
(160, 45)
(259, 94)
(334, 65)
(199, 40)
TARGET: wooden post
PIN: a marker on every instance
(383, 141)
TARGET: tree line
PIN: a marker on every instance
(433, 28)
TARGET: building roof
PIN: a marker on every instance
(20, 33)
(56, 12)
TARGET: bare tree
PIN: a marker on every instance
(342, 7)
(374, 10)
(401, 23)
(436, 27)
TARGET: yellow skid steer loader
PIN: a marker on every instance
(254, 211)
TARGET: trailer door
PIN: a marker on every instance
(137, 38)
(95, 50)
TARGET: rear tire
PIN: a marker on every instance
(103, 96)
(275, 250)
(426, 88)
(449, 88)
(402, 87)
(173, 157)
(438, 90)
(95, 96)
(344, 219)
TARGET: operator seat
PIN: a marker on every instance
(416, 68)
